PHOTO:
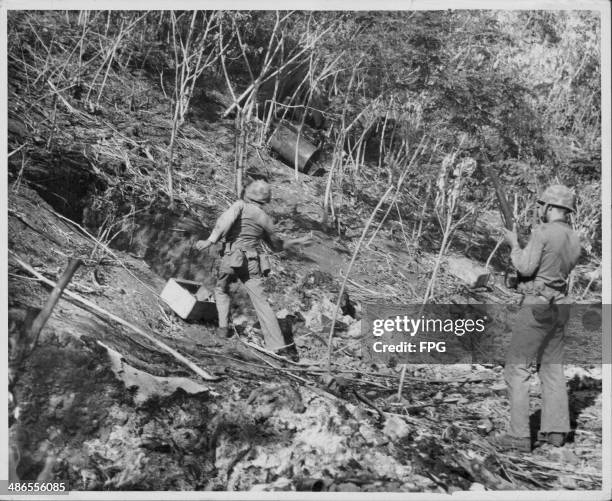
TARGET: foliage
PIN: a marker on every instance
(518, 88)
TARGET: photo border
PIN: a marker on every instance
(606, 180)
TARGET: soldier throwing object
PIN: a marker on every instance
(544, 265)
(243, 227)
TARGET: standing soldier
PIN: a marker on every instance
(242, 228)
(544, 266)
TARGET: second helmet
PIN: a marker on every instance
(560, 196)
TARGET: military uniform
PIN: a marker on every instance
(242, 227)
(544, 265)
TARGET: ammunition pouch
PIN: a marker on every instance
(232, 257)
(264, 264)
(235, 259)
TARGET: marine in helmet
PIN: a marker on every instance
(544, 264)
(242, 228)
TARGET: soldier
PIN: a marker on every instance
(544, 266)
(242, 228)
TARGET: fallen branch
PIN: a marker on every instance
(41, 319)
(268, 352)
(276, 367)
(15, 151)
(369, 403)
(364, 288)
(200, 372)
(410, 419)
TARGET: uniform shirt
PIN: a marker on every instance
(244, 225)
(549, 256)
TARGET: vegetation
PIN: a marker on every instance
(137, 128)
(520, 89)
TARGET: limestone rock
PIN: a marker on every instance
(396, 428)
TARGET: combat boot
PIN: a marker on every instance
(554, 438)
(510, 443)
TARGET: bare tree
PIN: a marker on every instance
(193, 53)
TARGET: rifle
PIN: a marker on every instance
(501, 197)
(511, 277)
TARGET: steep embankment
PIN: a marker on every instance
(101, 407)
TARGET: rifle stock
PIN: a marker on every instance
(501, 197)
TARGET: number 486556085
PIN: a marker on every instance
(37, 486)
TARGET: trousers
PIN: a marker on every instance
(537, 334)
(249, 274)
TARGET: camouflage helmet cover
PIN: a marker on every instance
(258, 191)
(559, 196)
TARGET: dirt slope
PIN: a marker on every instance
(100, 407)
(103, 408)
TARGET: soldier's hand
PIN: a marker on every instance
(511, 236)
(203, 244)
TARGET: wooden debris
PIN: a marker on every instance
(200, 372)
(45, 313)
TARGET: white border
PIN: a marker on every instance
(602, 6)
(606, 215)
(3, 247)
(353, 5)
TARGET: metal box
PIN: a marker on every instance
(189, 300)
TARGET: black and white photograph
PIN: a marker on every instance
(334, 252)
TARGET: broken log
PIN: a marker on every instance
(200, 372)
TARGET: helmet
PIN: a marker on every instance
(258, 191)
(559, 196)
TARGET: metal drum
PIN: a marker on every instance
(284, 141)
